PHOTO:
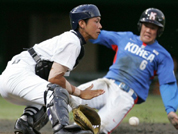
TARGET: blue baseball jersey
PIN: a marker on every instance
(136, 63)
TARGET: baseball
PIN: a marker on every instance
(133, 121)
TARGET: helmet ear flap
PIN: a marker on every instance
(160, 31)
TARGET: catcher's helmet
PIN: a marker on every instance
(82, 12)
(154, 16)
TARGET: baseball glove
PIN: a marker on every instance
(87, 118)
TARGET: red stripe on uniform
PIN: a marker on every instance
(153, 75)
(144, 44)
(115, 48)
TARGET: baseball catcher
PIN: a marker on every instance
(36, 78)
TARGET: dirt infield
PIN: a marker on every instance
(6, 127)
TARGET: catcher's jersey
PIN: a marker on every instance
(57, 49)
(19, 83)
(136, 63)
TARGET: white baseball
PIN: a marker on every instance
(133, 121)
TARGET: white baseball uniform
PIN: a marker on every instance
(111, 101)
(20, 84)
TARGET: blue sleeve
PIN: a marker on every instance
(169, 94)
(109, 38)
(104, 38)
(165, 70)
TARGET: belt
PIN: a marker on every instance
(127, 89)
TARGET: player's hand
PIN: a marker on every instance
(173, 118)
(88, 94)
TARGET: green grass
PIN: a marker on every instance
(151, 111)
(9, 111)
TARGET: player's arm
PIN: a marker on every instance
(56, 76)
(104, 38)
(109, 38)
(169, 93)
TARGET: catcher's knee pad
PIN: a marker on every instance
(57, 106)
(33, 123)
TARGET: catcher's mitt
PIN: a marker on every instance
(87, 118)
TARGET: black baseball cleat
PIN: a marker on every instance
(22, 127)
(73, 129)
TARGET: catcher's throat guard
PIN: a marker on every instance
(87, 118)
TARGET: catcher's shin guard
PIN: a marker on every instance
(34, 122)
(57, 100)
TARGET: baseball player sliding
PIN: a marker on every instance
(35, 78)
(137, 60)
